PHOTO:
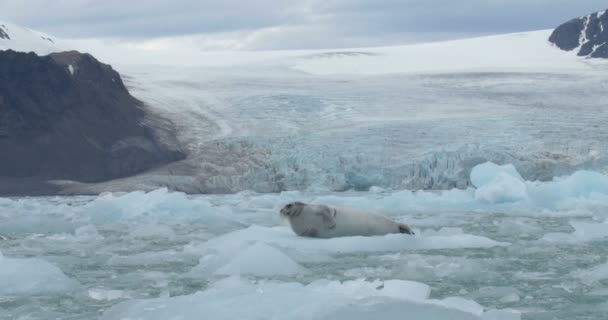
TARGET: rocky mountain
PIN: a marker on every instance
(67, 116)
(588, 35)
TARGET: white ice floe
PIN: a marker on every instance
(157, 205)
(594, 274)
(32, 276)
(583, 231)
(503, 188)
(84, 233)
(258, 259)
(279, 249)
(237, 298)
(106, 294)
(485, 173)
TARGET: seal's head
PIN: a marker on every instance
(292, 209)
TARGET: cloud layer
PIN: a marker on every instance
(287, 24)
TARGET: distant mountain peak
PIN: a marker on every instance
(587, 35)
(14, 37)
(3, 33)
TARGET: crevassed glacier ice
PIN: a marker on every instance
(395, 131)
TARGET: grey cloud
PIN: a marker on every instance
(304, 23)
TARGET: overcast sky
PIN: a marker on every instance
(289, 24)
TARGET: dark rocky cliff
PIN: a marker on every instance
(587, 35)
(67, 116)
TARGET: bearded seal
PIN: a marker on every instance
(322, 221)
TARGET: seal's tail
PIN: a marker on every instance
(404, 228)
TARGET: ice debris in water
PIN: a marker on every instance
(157, 238)
(32, 276)
(106, 294)
(258, 259)
(279, 249)
(583, 231)
(484, 173)
(151, 209)
(495, 187)
(594, 274)
(238, 298)
(499, 184)
(503, 188)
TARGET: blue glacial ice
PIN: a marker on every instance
(32, 276)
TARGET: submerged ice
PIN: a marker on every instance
(504, 248)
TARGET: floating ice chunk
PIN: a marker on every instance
(321, 299)
(485, 173)
(155, 206)
(32, 276)
(106, 294)
(503, 314)
(597, 273)
(84, 233)
(375, 189)
(583, 231)
(28, 223)
(499, 184)
(405, 290)
(258, 259)
(510, 298)
(442, 232)
(419, 267)
(503, 188)
(562, 191)
(150, 231)
(462, 304)
(307, 248)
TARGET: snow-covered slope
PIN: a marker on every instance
(517, 52)
(22, 39)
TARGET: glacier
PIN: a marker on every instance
(164, 254)
(291, 131)
(493, 149)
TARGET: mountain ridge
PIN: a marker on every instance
(587, 35)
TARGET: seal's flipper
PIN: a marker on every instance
(404, 228)
(328, 214)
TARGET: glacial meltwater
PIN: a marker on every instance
(504, 249)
